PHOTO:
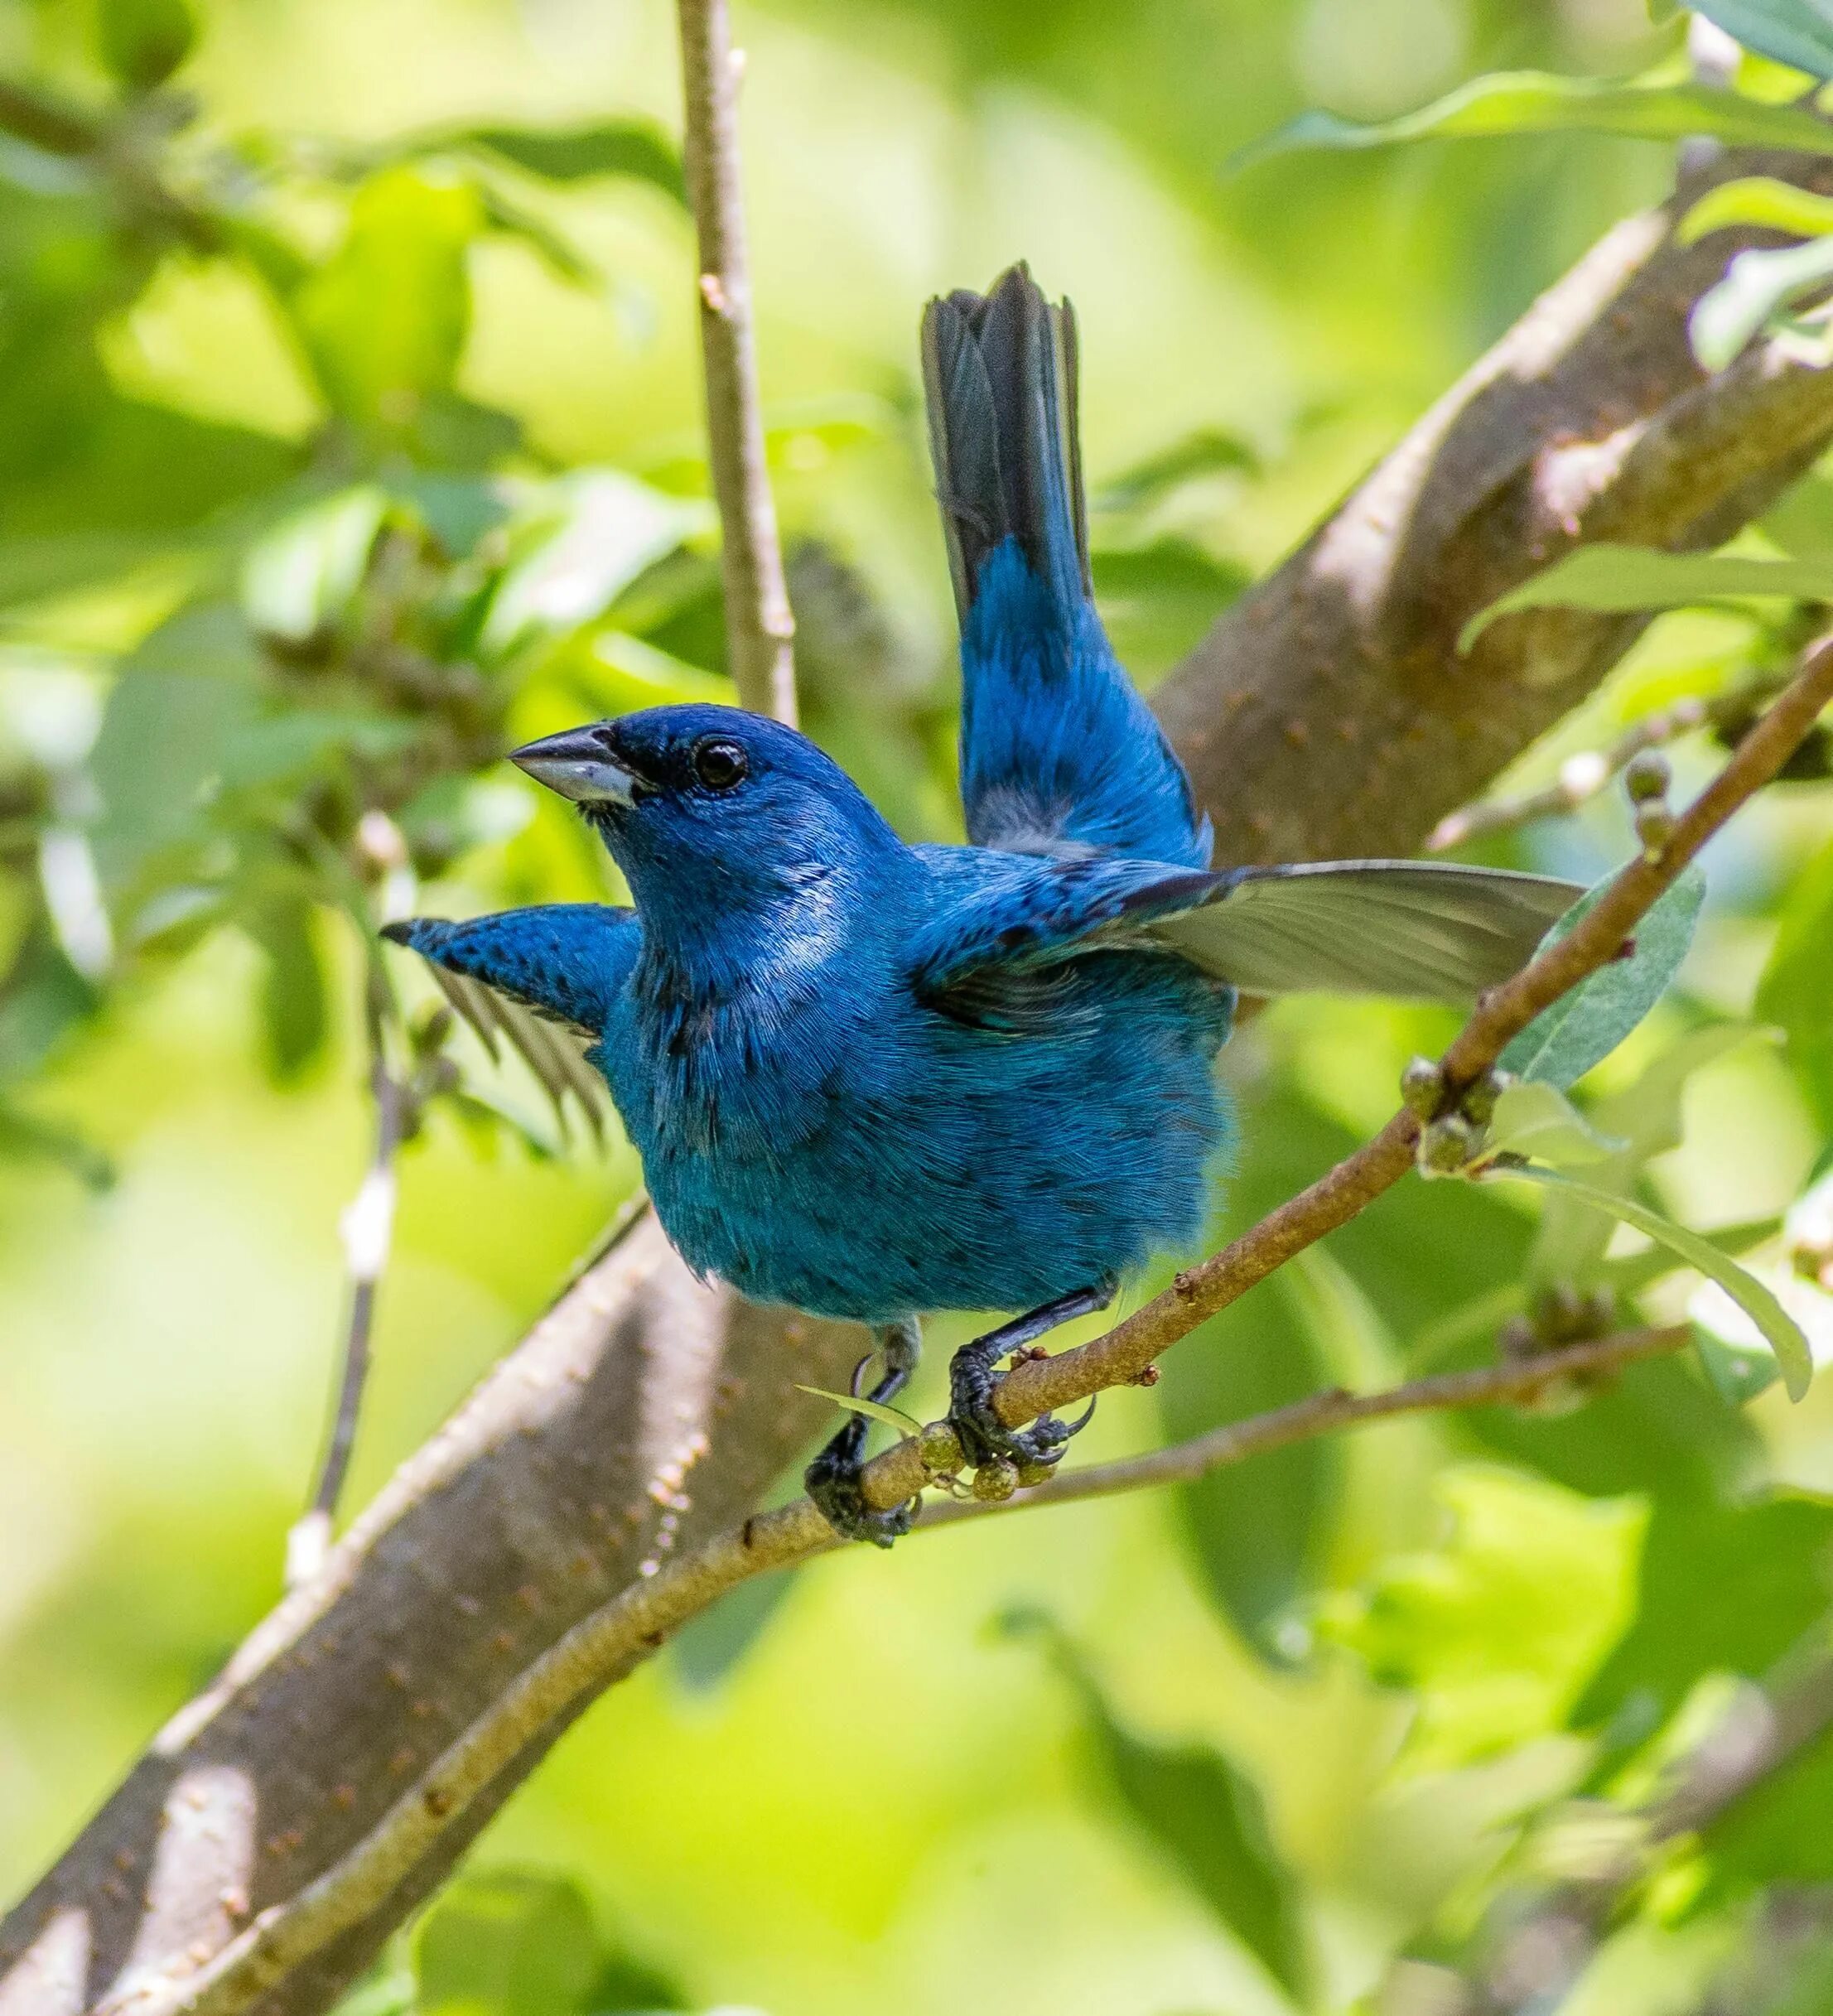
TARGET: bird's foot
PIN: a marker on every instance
(832, 1481)
(1003, 1458)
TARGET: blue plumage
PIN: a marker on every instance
(871, 1080)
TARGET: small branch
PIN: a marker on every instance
(760, 629)
(368, 1227)
(1581, 778)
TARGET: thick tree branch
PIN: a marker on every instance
(645, 1415)
(760, 629)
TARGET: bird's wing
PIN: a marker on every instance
(1432, 930)
(541, 981)
(1060, 755)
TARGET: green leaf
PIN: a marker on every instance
(1783, 1333)
(1797, 33)
(384, 320)
(516, 1943)
(1739, 1370)
(1759, 199)
(1725, 1586)
(294, 996)
(1587, 1022)
(873, 1409)
(301, 579)
(1794, 992)
(586, 537)
(1208, 451)
(1535, 1118)
(1499, 1630)
(1204, 1816)
(1259, 1531)
(631, 147)
(1757, 286)
(1618, 579)
(1539, 102)
(142, 42)
(707, 1648)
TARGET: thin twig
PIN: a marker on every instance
(1581, 778)
(760, 629)
(368, 1227)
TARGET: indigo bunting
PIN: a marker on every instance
(873, 1081)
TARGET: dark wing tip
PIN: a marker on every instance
(403, 933)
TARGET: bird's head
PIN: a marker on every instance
(713, 811)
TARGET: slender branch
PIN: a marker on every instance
(1515, 1384)
(368, 1228)
(759, 627)
(1581, 778)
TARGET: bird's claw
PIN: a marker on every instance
(832, 1482)
(1033, 1451)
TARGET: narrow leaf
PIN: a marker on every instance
(1535, 1118)
(892, 1417)
(1759, 199)
(1538, 102)
(1619, 580)
(1587, 1023)
(629, 148)
(1783, 1333)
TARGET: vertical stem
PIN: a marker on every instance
(368, 1227)
(760, 629)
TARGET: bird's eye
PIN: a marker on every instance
(720, 764)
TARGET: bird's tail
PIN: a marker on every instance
(1059, 753)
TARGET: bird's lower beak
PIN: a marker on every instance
(578, 766)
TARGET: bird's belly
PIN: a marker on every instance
(951, 1168)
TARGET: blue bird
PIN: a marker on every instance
(874, 1081)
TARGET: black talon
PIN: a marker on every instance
(831, 1480)
(973, 1384)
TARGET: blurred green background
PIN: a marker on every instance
(283, 532)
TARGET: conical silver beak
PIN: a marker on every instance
(578, 765)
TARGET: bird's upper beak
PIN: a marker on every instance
(579, 765)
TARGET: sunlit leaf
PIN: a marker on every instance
(1618, 579)
(28, 1137)
(1795, 993)
(1204, 1816)
(1778, 1329)
(1533, 1117)
(593, 533)
(300, 578)
(384, 320)
(1587, 1022)
(143, 41)
(1727, 1584)
(1758, 285)
(1540, 102)
(631, 147)
(1732, 1347)
(1797, 33)
(1760, 199)
(1500, 1630)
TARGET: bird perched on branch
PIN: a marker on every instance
(874, 1081)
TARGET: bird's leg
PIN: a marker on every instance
(832, 1478)
(973, 1385)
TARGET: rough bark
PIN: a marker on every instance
(1328, 713)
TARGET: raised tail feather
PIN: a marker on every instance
(1059, 753)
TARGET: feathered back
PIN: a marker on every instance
(1059, 753)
